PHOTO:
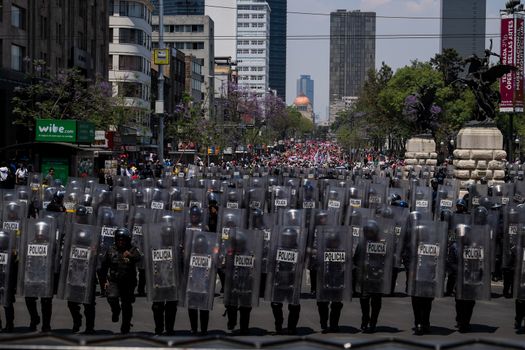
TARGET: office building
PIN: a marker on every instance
(180, 7)
(193, 35)
(130, 63)
(352, 54)
(253, 46)
(463, 26)
(305, 86)
(277, 65)
(58, 34)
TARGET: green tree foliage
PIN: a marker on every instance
(66, 95)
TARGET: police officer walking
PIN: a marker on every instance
(119, 266)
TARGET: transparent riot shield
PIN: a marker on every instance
(334, 260)
(285, 271)
(502, 193)
(159, 199)
(376, 195)
(120, 181)
(519, 266)
(137, 221)
(7, 266)
(293, 184)
(356, 197)
(428, 251)
(374, 254)
(108, 221)
(233, 198)
(196, 219)
(356, 217)
(200, 261)
(37, 256)
(196, 197)
(476, 192)
(400, 218)
(123, 198)
(512, 222)
(445, 199)
(319, 218)
(421, 200)
(79, 264)
(59, 219)
(474, 270)
(161, 260)
(334, 201)
(229, 219)
(257, 198)
(243, 268)
(281, 198)
(178, 198)
(265, 223)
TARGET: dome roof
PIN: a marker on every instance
(301, 100)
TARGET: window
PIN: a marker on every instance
(133, 63)
(134, 36)
(111, 7)
(110, 62)
(43, 27)
(110, 35)
(127, 89)
(18, 17)
(17, 58)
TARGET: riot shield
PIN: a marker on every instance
(285, 269)
(421, 200)
(502, 193)
(428, 251)
(519, 265)
(200, 257)
(400, 218)
(161, 260)
(243, 268)
(512, 222)
(374, 254)
(257, 198)
(7, 264)
(196, 219)
(475, 193)
(335, 202)
(376, 195)
(356, 197)
(196, 197)
(136, 223)
(13, 218)
(281, 198)
(229, 219)
(36, 271)
(445, 199)
(319, 218)
(265, 223)
(108, 221)
(159, 199)
(334, 260)
(123, 198)
(79, 264)
(293, 184)
(474, 270)
(233, 198)
(178, 198)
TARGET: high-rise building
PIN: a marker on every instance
(463, 26)
(253, 46)
(277, 73)
(130, 61)
(180, 7)
(193, 35)
(305, 86)
(59, 34)
(352, 54)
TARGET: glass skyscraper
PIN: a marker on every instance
(180, 7)
(277, 72)
(305, 85)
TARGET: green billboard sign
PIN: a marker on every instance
(56, 130)
(85, 132)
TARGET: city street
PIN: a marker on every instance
(492, 320)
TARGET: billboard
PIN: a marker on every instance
(56, 130)
(511, 84)
(161, 56)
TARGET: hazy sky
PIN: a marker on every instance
(308, 56)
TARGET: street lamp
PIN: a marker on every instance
(517, 148)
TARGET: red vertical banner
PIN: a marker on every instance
(519, 63)
(507, 82)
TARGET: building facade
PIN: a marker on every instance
(463, 26)
(253, 45)
(352, 54)
(130, 62)
(277, 65)
(56, 35)
(305, 86)
(193, 35)
(180, 7)
(304, 106)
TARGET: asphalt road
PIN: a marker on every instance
(492, 320)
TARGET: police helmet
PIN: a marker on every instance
(289, 238)
(123, 234)
(480, 215)
(371, 230)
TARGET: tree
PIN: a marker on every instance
(67, 95)
(449, 64)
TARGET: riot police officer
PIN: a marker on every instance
(119, 266)
(8, 274)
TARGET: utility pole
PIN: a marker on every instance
(159, 105)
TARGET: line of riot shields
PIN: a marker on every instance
(258, 231)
